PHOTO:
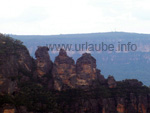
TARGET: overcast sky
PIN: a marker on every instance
(45, 17)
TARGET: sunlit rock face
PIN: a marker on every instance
(43, 62)
(121, 106)
(8, 109)
(67, 74)
(86, 70)
(64, 71)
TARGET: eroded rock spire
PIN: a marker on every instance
(43, 62)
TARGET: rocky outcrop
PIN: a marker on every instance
(64, 71)
(24, 60)
(121, 105)
(100, 77)
(133, 104)
(111, 82)
(43, 62)
(86, 71)
(68, 75)
(8, 109)
(14, 61)
(73, 82)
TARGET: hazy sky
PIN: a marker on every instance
(74, 16)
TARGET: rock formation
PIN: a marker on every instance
(100, 77)
(20, 92)
(68, 75)
(86, 71)
(111, 82)
(43, 62)
(64, 71)
(8, 109)
(15, 60)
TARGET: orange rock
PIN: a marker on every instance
(64, 71)
(9, 111)
(120, 108)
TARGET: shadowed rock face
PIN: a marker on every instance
(15, 62)
(100, 77)
(64, 71)
(111, 82)
(25, 60)
(132, 104)
(43, 62)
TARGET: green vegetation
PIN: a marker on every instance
(9, 45)
(36, 97)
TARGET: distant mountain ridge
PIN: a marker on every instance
(96, 33)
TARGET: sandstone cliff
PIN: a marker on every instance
(43, 62)
(86, 71)
(64, 71)
(63, 86)
(67, 74)
(14, 61)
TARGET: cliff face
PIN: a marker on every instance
(43, 62)
(63, 86)
(14, 61)
(67, 74)
(121, 105)
(86, 71)
(64, 71)
(131, 104)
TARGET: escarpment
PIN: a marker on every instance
(15, 61)
(63, 86)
